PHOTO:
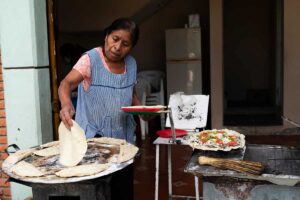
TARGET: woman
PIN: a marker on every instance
(105, 77)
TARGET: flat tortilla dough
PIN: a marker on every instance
(49, 144)
(82, 170)
(127, 152)
(72, 144)
(108, 140)
(25, 169)
(19, 155)
(50, 151)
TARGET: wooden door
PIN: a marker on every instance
(53, 69)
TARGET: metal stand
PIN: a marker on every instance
(170, 142)
(173, 140)
(222, 184)
(170, 191)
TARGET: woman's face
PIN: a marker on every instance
(117, 45)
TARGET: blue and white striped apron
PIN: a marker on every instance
(98, 110)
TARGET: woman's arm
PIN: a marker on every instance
(135, 99)
(67, 85)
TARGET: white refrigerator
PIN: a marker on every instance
(183, 55)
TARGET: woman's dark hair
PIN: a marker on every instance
(124, 24)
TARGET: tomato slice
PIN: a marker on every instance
(203, 140)
(204, 134)
(219, 141)
(232, 143)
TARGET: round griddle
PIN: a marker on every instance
(96, 154)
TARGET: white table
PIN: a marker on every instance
(166, 141)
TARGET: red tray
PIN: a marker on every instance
(167, 133)
(142, 108)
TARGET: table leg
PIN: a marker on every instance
(197, 187)
(170, 171)
(156, 171)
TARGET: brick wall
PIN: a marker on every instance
(4, 185)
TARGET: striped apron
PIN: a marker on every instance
(98, 110)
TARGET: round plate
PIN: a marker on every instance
(167, 133)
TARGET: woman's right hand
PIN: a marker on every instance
(66, 114)
(67, 85)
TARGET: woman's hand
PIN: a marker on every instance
(66, 114)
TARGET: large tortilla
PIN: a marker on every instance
(108, 140)
(25, 169)
(217, 140)
(72, 144)
(127, 152)
(82, 170)
(49, 144)
(50, 151)
(19, 155)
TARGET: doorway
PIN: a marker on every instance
(252, 46)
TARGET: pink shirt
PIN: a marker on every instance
(83, 66)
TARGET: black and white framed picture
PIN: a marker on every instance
(188, 111)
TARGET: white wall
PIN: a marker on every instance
(291, 59)
(24, 36)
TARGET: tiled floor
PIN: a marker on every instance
(183, 184)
